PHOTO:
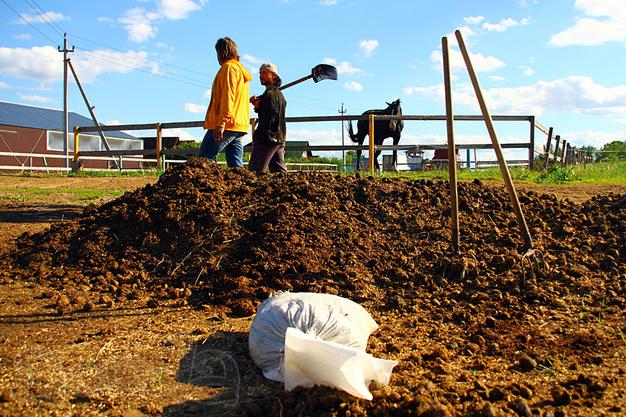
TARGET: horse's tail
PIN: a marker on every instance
(353, 137)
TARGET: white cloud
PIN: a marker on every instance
(194, 108)
(604, 21)
(138, 24)
(368, 46)
(4, 85)
(435, 91)
(473, 20)
(177, 9)
(154, 68)
(43, 63)
(480, 62)
(43, 18)
(574, 94)
(328, 2)
(593, 138)
(90, 64)
(505, 24)
(207, 93)
(343, 67)
(141, 24)
(528, 71)
(253, 62)
(162, 45)
(22, 37)
(318, 137)
(35, 98)
(353, 86)
(497, 78)
(467, 33)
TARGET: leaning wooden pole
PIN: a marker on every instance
(504, 169)
(93, 115)
(371, 144)
(454, 197)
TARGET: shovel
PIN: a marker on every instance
(318, 73)
(532, 256)
(457, 265)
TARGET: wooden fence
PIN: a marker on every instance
(160, 153)
(562, 153)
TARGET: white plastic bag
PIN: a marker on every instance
(328, 349)
(310, 361)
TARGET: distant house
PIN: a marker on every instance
(32, 137)
(290, 153)
(440, 158)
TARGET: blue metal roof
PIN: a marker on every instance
(21, 115)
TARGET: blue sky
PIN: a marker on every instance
(147, 61)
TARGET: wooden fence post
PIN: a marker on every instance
(563, 152)
(556, 148)
(75, 162)
(371, 136)
(547, 149)
(568, 155)
(531, 149)
(158, 146)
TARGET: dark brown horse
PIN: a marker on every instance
(383, 129)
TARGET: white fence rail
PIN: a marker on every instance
(121, 160)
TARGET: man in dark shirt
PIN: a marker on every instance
(268, 141)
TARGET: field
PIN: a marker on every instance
(139, 303)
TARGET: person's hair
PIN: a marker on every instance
(226, 49)
(277, 81)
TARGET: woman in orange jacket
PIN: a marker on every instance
(228, 116)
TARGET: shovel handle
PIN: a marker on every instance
(298, 81)
(454, 196)
(504, 169)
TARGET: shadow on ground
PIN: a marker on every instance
(39, 214)
(213, 362)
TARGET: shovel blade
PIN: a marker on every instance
(324, 72)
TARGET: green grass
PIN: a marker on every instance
(605, 173)
(24, 194)
(600, 173)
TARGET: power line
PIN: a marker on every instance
(27, 22)
(101, 55)
(43, 17)
(158, 62)
(53, 22)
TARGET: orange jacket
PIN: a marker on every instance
(230, 95)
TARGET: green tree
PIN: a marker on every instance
(614, 151)
(589, 151)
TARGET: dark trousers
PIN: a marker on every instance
(267, 155)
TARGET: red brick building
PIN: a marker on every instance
(32, 138)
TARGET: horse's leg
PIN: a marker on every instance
(376, 160)
(358, 158)
(395, 153)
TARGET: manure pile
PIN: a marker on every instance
(474, 346)
(205, 235)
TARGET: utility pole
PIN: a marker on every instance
(65, 117)
(342, 111)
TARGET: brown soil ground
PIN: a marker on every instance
(141, 306)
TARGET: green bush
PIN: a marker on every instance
(556, 174)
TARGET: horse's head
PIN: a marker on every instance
(394, 109)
